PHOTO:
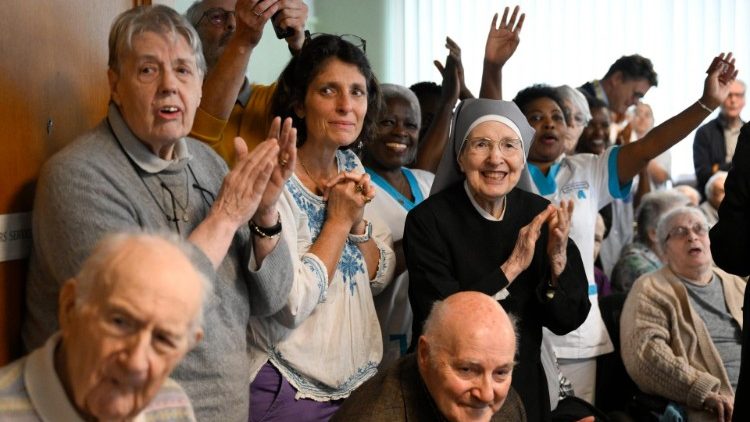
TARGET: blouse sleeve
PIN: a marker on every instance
(387, 259)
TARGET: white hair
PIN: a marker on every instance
(667, 220)
(95, 271)
(709, 189)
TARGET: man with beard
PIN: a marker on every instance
(715, 141)
(229, 31)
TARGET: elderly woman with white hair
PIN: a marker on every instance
(577, 115)
(399, 189)
(714, 195)
(478, 232)
(681, 326)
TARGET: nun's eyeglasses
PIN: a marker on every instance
(508, 147)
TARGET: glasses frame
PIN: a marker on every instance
(225, 18)
(495, 144)
(355, 40)
(698, 229)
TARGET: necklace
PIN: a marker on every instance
(307, 172)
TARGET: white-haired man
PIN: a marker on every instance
(126, 319)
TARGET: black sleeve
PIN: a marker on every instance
(702, 157)
(569, 307)
(730, 237)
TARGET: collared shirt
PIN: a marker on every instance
(30, 390)
(138, 151)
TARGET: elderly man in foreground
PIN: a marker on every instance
(138, 169)
(461, 371)
(126, 319)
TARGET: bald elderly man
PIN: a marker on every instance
(461, 371)
(126, 319)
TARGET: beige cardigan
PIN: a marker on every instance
(666, 347)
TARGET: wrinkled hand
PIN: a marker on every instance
(720, 405)
(283, 168)
(243, 187)
(717, 84)
(454, 51)
(503, 40)
(523, 252)
(558, 225)
(347, 194)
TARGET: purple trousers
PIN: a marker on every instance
(272, 399)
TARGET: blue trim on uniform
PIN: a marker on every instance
(546, 185)
(395, 194)
(615, 189)
(592, 290)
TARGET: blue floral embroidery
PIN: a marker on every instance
(317, 389)
(351, 262)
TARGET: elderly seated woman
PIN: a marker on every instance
(681, 326)
(478, 232)
(643, 255)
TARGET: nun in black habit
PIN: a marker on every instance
(478, 232)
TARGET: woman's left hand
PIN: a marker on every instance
(557, 244)
(283, 168)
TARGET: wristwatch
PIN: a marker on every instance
(362, 238)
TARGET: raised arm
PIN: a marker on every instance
(633, 157)
(223, 82)
(502, 42)
(432, 144)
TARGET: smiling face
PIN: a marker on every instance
(335, 104)
(595, 136)
(468, 366)
(687, 251)
(547, 119)
(491, 167)
(121, 343)
(157, 89)
(398, 134)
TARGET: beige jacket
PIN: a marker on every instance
(666, 347)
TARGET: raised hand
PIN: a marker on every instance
(454, 51)
(293, 14)
(523, 252)
(243, 187)
(558, 225)
(503, 40)
(283, 168)
(252, 16)
(721, 73)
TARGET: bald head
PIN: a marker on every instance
(466, 356)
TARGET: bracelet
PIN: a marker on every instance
(267, 232)
(362, 238)
(705, 107)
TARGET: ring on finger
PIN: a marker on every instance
(368, 199)
(359, 188)
(258, 14)
(283, 162)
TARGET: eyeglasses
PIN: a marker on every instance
(508, 147)
(682, 232)
(357, 41)
(216, 15)
(576, 118)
